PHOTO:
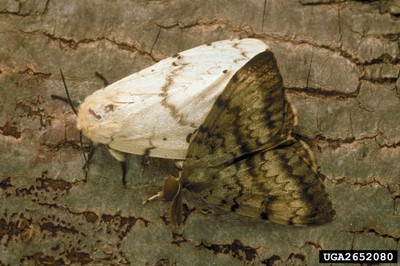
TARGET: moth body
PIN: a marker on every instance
(156, 110)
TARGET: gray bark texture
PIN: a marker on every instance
(340, 63)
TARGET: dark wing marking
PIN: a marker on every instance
(280, 185)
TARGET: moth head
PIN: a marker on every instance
(172, 187)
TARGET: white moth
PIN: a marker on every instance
(155, 110)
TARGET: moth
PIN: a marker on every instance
(155, 110)
(244, 158)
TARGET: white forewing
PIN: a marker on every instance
(155, 110)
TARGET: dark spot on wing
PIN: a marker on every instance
(190, 136)
(98, 117)
(109, 108)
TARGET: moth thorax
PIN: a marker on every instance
(195, 179)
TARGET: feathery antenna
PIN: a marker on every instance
(66, 91)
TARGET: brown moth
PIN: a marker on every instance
(244, 158)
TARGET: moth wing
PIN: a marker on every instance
(252, 113)
(155, 110)
(280, 185)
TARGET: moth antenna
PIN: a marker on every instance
(89, 157)
(60, 98)
(63, 99)
(73, 104)
(83, 149)
(66, 91)
(100, 76)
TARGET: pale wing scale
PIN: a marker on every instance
(153, 111)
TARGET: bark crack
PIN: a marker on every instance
(236, 249)
(375, 232)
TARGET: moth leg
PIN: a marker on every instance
(124, 168)
(64, 99)
(100, 76)
(145, 160)
(154, 197)
(146, 156)
(171, 189)
(122, 158)
(89, 158)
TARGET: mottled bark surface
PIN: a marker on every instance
(340, 62)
